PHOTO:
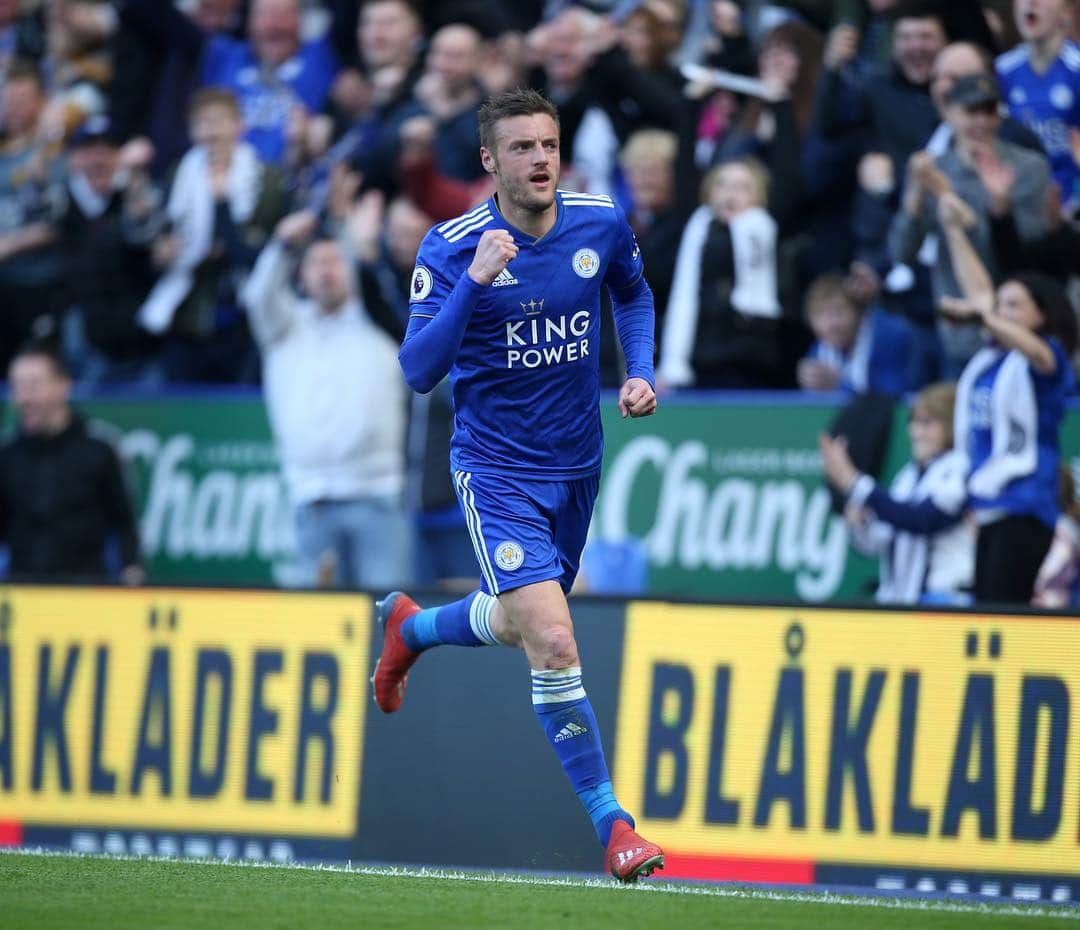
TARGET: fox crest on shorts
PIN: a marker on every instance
(509, 556)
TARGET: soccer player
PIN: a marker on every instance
(506, 300)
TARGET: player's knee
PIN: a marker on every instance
(558, 647)
(505, 632)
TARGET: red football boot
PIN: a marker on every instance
(392, 669)
(629, 857)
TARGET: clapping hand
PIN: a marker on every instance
(365, 223)
(954, 212)
(816, 375)
(836, 462)
(295, 229)
(841, 47)
(344, 184)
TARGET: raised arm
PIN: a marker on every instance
(978, 302)
(974, 278)
(268, 295)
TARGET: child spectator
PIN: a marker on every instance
(222, 206)
(857, 350)
(722, 326)
(927, 549)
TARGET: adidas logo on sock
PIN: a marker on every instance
(503, 278)
(569, 732)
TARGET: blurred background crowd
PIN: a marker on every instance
(824, 192)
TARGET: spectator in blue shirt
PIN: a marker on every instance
(1041, 83)
(857, 349)
(273, 73)
(1009, 409)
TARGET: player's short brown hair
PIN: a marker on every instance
(521, 101)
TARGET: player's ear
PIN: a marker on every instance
(487, 160)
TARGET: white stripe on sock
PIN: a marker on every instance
(557, 685)
(485, 616)
(479, 618)
(561, 698)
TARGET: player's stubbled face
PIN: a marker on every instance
(526, 160)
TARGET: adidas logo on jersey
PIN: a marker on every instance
(569, 732)
(504, 278)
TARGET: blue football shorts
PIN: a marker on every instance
(526, 531)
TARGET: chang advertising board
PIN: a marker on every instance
(724, 490)
(195, 711)
(828, 745)
(729, 501)
(211, 501)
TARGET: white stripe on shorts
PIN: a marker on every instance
(476, 533)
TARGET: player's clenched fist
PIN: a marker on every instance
(637, 398)
(494, 250)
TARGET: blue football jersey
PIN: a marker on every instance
(1048, 104)
(1035, 494)
(266, 99)
(526, 380)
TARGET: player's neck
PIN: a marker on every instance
(1045, 50)
(530, 222)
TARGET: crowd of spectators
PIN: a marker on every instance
(799, 176)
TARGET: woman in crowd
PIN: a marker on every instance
(917, 526)
(1009, 409)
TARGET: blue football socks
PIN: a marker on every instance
(567, 717)
(463, 623)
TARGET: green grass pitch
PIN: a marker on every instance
(61, 892)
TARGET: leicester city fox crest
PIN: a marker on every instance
(586, 263)
(509, 556)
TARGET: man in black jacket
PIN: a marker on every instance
(62, 494)
(108, 227)
(892, 109)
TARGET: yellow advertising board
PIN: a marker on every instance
(183, 710)
(823, 736)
